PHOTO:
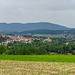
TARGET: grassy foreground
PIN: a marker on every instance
(8, 67)
(45, 65)
(41, 58)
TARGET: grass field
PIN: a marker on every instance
(41, 58)
(37, 64)
(50, 36)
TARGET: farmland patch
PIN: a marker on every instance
(8, 67)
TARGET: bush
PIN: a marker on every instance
(2, 49)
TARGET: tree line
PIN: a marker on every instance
(38, 47)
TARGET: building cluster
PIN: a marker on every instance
(47, 39)
(12, 39)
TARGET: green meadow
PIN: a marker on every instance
(41, 58)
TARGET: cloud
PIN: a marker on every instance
(39, 4)
(56, 11)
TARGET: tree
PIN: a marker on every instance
(2, 49)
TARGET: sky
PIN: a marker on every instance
(60, 12)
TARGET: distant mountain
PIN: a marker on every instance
(42, 31)
(19, 27)
(46, 31)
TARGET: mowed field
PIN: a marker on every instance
(37, 64)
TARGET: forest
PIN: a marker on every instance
(38, 47)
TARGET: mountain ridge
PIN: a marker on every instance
(46, 31)
(19, 27)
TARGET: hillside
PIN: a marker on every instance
(19, 27)
(46, 31)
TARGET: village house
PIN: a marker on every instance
(6, 42)
(47, 39)
(27, 40)
(15, 38)
(4, 35)
(67, 43)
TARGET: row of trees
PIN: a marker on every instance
(38, 47)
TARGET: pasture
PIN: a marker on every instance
(40, 58)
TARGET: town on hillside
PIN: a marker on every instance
(12, 39)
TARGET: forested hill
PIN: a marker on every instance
(19, 27)
(45, 31)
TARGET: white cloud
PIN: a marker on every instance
(56, 11)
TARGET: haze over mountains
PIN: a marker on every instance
(19, 27)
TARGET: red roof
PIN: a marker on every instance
(47, 39)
